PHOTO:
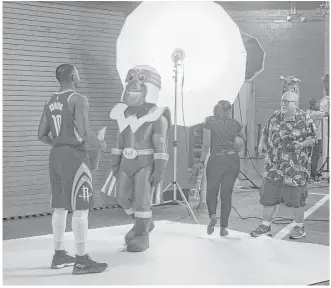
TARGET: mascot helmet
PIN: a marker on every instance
(142, 85)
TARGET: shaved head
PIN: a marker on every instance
(289, 103)
(67, 74)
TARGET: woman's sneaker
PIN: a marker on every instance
(62, 259)
(261, 230)
(85, 265)
(211, 225)
(224, 232)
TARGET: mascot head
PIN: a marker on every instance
(290, 83)
(142, 85)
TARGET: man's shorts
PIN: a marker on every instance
(71, 179)
(273, 193)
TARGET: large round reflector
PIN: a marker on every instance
(215, 56)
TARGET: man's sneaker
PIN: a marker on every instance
(85, 265)
(62, 259)
(261, 230)
(297, 232)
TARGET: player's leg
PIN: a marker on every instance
(61, 258)
(77, 186)
(84, 264)
(143, 213)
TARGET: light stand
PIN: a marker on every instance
(177, 55)
(254, 186)
(326, 162)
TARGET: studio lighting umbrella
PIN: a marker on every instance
(255, 56)
(215, 56)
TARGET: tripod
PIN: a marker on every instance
(326, 162)
(254, 186)
(175, 145)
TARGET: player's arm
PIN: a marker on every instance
(81, 114)
(160, 144)
(44, 129)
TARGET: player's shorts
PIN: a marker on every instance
(71, 179)
(273, 193)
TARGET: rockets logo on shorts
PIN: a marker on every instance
(86, 195)
(82, 189)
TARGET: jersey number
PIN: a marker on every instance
(57, 123)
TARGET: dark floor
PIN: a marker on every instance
(245, 204)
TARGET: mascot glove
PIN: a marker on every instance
(115, 163)
(158, 173)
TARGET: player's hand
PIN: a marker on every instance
(103, 145)
(298, 145)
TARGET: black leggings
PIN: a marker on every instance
(221, 169)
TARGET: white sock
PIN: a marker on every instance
(80, 229)
(59, 220)
(266, 223)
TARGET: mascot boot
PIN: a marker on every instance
(140, 241)
(130, 235)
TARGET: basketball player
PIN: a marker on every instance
(65, 116)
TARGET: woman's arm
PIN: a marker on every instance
(205, 144)
(242, 134)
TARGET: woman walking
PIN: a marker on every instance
(220, 136)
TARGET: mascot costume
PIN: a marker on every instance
(290, 83)
(140, 157)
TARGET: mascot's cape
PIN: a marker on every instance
(118, 114)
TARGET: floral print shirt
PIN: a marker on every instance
(283, 162)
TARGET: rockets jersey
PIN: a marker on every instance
(61, 121)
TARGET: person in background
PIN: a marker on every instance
(223, 166)
(317, 116)
(325, 102)
(287, 138)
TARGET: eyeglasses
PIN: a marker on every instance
(286, 101)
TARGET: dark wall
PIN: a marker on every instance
(292, 48)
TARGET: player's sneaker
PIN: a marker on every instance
(62, 259)
(261, 230)
(85, 265)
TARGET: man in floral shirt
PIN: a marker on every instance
(287, 138)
